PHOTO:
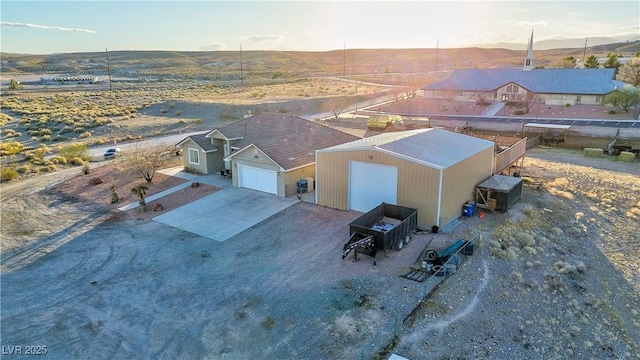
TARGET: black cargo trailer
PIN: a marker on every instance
(384, 227)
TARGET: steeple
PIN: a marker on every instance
(528, 61)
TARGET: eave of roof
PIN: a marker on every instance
(431, 147)
(551, 81)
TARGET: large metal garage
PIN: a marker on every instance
(432, 170)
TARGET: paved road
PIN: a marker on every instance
(97, 152)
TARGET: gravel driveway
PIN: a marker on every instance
(144, 289)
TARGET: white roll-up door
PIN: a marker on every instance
(371, 184)
(258, 179)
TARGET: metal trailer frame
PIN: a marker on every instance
(395, 238)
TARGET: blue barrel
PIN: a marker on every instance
(468, 209)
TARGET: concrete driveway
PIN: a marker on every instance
(225, 213)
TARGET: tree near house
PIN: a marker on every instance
(612, 62)
(146, 160)
(450, 94)
(530, 100)
(591, 62)
(336, 105)
(630, 72)
(624, 99)
(482, 97)
(569, 62)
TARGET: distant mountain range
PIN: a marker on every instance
(565, 43)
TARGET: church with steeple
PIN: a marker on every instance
(528, 61)
(549, 86)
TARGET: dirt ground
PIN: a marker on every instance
(124, 286)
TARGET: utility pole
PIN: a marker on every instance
(108, 68)
(437, 49)
(241, 72)
(344, 61)
(584, 53)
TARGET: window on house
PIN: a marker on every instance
(194, 156)
(512, 89)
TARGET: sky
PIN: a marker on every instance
(45, 27)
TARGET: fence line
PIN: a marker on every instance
(387, 338)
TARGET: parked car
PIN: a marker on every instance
(111, 153)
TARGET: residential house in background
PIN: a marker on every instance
(266, 152)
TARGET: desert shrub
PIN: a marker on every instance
(75, 150)
(177, 113)
(567, 105)
(76, 161)
(34, 138)
(182, 121)
(519, 112)
(163, 111)
(49, 168)
(197, 121)
(46, 138)
(612, 112)
(565, 268)
(44, 131)
(24, 169)
(8, 174)
(85, 134)
(10, 148)
(86, 169)
(58, 160)
(172, 104)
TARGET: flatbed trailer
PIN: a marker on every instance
(384, 227)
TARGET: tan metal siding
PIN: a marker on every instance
(459, 182)
(417, 184)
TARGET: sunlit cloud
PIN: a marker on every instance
(34, 26)
(216, 46)
(632, 27)
(265, 38)
(534, 24)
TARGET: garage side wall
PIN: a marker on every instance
(417, 184)
(460, 181)
(291, 178)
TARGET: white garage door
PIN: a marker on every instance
(258, 179)
(370, 184)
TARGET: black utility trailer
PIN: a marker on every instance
(384, 227)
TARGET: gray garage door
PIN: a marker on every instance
(258, 179)
(370, 184)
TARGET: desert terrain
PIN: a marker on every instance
(555, 277)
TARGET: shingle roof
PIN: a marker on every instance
(289, 140)
(432, 147)
(201, 140)
(550, 81)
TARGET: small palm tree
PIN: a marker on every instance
(140, 191)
